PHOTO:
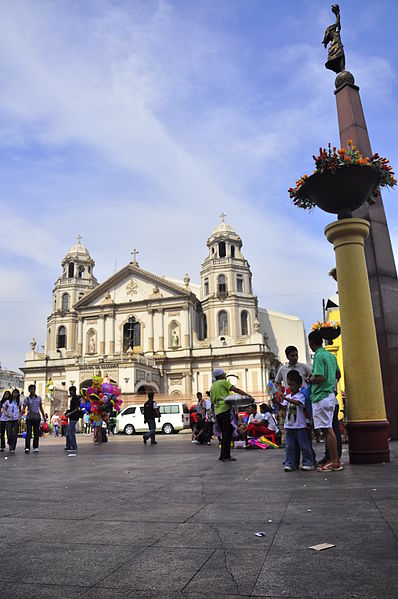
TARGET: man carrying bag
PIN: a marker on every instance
(151, 411)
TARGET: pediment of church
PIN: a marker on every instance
(130, 285)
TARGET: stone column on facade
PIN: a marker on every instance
(366, 415)
(102, 335)
(80, 336)
(188, 383)
(187, 332)
(150, 331)
(112, 334)
(161, 330)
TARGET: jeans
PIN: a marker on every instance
(12, 433)
(309, 433)
(35, 426)
(226, 429)
(296, 441)
(55, 430)
(71, 435)
(337, 432)
(3, 426)
(152, 431)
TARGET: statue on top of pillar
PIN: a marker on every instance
(336, 57)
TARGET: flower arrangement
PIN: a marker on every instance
(332, 159)
(332, 324)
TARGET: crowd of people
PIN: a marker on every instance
(302, 402)
(13, 411)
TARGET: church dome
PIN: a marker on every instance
(223, 228)
(79, 249)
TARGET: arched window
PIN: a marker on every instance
(71, 270)
(222, 286)
(239, 284)
(81, 271)
(222, 323)
(221, 249)
(232, 251)
(206, 286)
(204, 327)
(61, 337)
(65, 302)
(131, 334)
(244, 323)
(89, 268)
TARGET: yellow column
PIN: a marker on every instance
(366, 416)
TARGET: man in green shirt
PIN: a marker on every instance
(325, 371)
(220, 389)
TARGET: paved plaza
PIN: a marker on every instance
(123, 520)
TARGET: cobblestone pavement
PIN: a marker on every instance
(124, 520)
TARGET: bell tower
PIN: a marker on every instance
(76, 280)
(229, 306)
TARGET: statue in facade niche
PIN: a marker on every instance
(336, 57)
(174, 340)
(91, 347)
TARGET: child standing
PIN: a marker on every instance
(55, 422)
(296, 426)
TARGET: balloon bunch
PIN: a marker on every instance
(101, 398)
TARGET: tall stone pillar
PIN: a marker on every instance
(161, 329)
(112, 334)
(150, 331)
(187, 335)
(378, 251)
(102, 334)
(80, 336)
(366, 416)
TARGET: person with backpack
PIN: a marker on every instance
(151, 412)
(297, 441)
(33, 405)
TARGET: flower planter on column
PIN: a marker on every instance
(342, 182)
(342, 191)
(330, 333)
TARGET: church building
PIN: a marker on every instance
(152, 333)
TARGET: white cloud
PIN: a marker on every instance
(135, 126)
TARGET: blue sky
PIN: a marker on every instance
(136, 123)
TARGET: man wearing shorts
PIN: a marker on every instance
(323, 379)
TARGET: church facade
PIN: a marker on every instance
(148, 332)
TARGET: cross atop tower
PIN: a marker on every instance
(223, 216)
(134, 254)
(79, 238)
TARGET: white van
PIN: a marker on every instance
(173, 419)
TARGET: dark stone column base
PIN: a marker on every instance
(368, 441)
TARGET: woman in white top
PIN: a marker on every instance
(14, 418)
(4, 419)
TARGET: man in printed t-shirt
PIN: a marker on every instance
(219, 391)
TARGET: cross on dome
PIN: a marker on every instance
(79, 238)
(223, 215)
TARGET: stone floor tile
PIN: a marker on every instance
(158, 569)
